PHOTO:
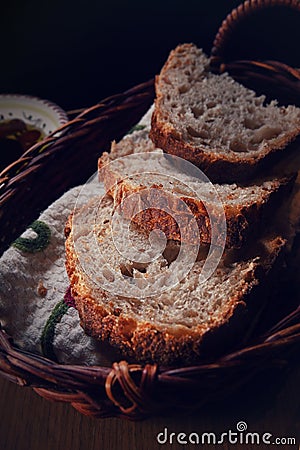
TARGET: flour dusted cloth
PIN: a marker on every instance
(35, 304)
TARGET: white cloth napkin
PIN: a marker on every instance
(33, 284)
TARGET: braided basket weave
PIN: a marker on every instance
(67, 158)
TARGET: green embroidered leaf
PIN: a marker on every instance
(49, 330)
(136, 128)
(33, 245)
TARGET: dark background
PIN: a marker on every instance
(77, 52)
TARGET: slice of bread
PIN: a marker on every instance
(158, 183)
(188, 321)
(216, 123)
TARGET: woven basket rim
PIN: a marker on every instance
(64, 382)
(94, 390)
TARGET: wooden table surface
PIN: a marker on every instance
(28, 422)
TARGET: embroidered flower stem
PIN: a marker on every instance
(48, 332)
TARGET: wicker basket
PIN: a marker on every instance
(129, 390)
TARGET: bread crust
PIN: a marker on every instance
(239, 218)
(144, 341)
(219, 168)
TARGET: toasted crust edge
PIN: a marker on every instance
(239, 221)
(217, 168)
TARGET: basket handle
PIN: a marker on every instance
(234, 18)
(272, 78)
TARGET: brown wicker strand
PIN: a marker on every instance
(137, 395)
(292, 318)
(82, 402)
(200, 383)
(67, 158)
(234, 18)
(70, 154)
(274, 79)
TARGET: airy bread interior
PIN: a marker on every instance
(214, 114)
(153, 189)
(187, 307)
(138, 173)
(131, 285)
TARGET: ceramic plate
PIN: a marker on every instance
(41, 114)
